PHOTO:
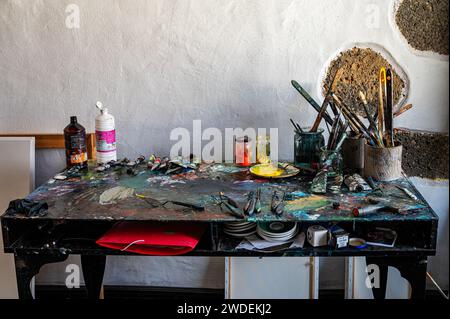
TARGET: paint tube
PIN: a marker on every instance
(277, 205)
(249, 208)
(367, 210)
(319, 183)
(409, 193)
(356, 183)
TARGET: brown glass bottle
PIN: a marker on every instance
(75, 140)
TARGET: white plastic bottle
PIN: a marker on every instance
(105, 135)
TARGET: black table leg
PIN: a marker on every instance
(412, 269)
(416, 273)
(93, 270)
(27, 266)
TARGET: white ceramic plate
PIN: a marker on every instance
(240, 235)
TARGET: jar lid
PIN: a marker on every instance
(243, 139)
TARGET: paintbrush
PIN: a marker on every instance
(370, 119)
(297, 127)
(338, 129)
(354, 120)
(320, 115)
(341, 130)
(381, 94)
(408, 192)
(326, 100)
(335, 111)
(333, 133)
(402, 110)
(311, 101)
(388, 116)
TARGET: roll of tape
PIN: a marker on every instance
(357, 243)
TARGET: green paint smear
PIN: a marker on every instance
(138, 182)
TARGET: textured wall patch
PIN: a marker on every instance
(424, 24)
(425, 154)
(361, 69)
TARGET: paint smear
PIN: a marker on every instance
(305, 203)
(227, 168)
(299, 194)
(114, 194)
(164, 180)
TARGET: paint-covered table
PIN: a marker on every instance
(88, 203)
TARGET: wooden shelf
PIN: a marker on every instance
(55, 141)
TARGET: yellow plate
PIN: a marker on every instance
(283, 170)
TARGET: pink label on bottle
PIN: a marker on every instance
(106, 140)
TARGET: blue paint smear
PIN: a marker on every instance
(299, 214)
(299, 194)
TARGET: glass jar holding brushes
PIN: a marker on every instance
(307, 147)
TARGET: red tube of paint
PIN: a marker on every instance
(367, 210)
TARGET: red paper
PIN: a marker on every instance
(151, 238)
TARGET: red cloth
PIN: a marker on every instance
(151, 238)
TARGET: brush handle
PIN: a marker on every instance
(327, 99)
(389, 116)
(310, 100)
(379, 138)
(381, 99)
(319, 117)
(296, 128)
(402, 110)
(354, 121)
(190, 205)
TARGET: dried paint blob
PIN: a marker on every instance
(424, 24)
(114, 194)
(361, 67)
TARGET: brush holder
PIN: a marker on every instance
(383, 163)
(353, 154)
(307, 148)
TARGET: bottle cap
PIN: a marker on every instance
(73, 119)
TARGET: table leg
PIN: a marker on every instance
(27, 266)
(93, 270)
(412, 269)
(416, 274)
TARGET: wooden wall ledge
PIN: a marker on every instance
(52, 141)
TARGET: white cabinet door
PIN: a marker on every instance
(356, 287)
(16, 181)
(271, 277)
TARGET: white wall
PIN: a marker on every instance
(17, 172)
(159, 64)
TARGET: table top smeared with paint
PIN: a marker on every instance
(115, 195)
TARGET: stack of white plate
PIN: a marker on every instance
(239, 229)
(277, 231)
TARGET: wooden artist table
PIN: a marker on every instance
(75, 219)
